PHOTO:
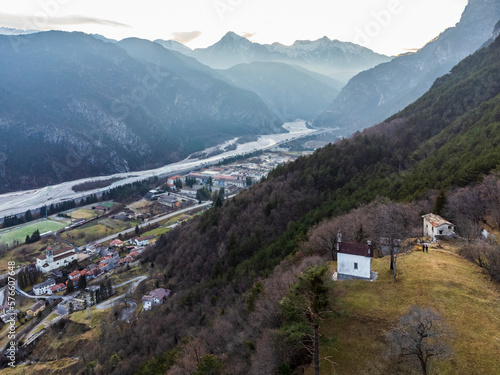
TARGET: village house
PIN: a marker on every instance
(53, 259)
(9, 315)
(91, 249)
(74, 276)
(109, 262)
(116, 242)
(171, 180)
(128, 259)
(57, 288)
(56, 274)
(141, 241)
(435, 225)
(43, 288)
(189, 191)
(223, 180)
(353, 260)
(155, 297)
(121, 216)
(168, 201)
(36, 308)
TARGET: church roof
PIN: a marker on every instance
(356, 249)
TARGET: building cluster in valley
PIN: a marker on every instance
(232, 177)
(59, 264)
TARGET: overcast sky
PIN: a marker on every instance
(386, 26)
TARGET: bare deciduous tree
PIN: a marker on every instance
(324, 238)
(392, 224)
(420, 333)
(467, 209)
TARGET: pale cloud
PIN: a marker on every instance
(185, 36)
(248, 35)
(42, 21)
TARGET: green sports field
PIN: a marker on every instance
(10, 235)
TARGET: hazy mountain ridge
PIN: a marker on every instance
(339, 60)
(376, 94)
(174, 46)
(290, 92)
(142, 114)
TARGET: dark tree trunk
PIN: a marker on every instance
(316, 349)
(424, 366)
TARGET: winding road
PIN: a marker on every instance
(111, 302)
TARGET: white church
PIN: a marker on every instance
(52, 260)
(354, 261)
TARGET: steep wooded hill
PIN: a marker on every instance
(213, 261)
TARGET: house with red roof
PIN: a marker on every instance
(435, 225)
(75, 275)
(116, 242)
(171, 180)
(353, 260)
(57, 288)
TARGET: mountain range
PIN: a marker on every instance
(151, 103)
(339, 60)
(74, 106)
(377, 93)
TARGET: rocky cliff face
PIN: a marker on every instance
(375, 94)
(73, 106)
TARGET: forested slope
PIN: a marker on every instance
(447, 138)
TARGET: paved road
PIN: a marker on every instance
(110, 302)
(43, 297)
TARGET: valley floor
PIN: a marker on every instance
(19, 202)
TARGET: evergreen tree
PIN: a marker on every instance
(70, 287)
(178, 183)
(82, 283)
(209, 364)
(304, 307)
(440, 202)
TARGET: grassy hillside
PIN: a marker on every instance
(462, 293)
